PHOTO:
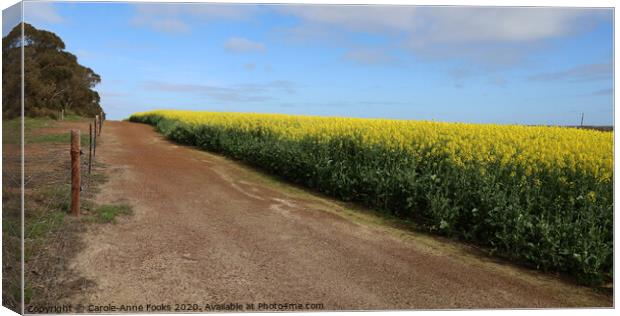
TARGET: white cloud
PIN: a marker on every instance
(244, 92)
(368, 56)
(175, 17)
(601, 92)
(168, 25)
(449, 24)
(486, 35)
(471, 24)
(356, 18)
(41, 12)
(243, 45)
(587, 72)
(462, 76)
(159, 19)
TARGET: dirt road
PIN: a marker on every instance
(209, 230)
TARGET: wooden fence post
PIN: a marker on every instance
(95, 128)
(95, 137)
(100, 122)
(75, 172)
(90, 147)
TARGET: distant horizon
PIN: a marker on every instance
(356, 117)
(470, 64)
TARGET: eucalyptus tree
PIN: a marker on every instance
(53, 78)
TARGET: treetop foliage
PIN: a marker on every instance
(53, 78)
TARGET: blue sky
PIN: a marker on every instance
(469, 64)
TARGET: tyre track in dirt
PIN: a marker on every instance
(209, 230)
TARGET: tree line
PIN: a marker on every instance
(53, 78)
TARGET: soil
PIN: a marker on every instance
(208, 230)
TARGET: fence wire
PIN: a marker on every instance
(47, 189)
(49, 165)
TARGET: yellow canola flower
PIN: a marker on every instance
(531, 147)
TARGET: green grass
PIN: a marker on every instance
(28, 292)
(98, 177)
(38, 227)
(76, 118)
(47, 215)
(16, 291)
(107, 213)
(11, 129)
(57, 196)
(64, 138)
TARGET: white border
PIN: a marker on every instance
(536, 3)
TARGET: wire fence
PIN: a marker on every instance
(47, 199)
(48, 166)
(47, 238)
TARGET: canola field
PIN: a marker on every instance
(542, 196)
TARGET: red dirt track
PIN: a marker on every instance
(206, 229)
